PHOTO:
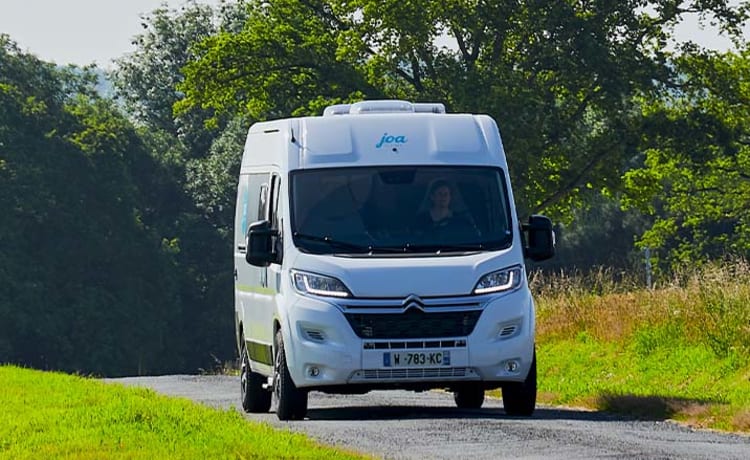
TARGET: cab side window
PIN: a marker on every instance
(274, 214)
(241, 216)
(257, 185)
(262, 211)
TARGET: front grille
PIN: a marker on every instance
(408, 345)
(413, 323)
(432, 372)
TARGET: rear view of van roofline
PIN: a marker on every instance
(378, 246)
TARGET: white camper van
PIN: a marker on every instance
(378, 247)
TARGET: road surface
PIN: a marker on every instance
(408, 425)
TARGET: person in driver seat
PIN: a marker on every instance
(440, 216)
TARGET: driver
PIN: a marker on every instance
(440, 211)
(440, 216)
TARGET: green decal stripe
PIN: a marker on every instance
(254, 289)
(259, 352)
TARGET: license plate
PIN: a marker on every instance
(417, 358)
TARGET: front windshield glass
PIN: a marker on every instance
(392, 210)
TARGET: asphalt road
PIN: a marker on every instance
(400, 424)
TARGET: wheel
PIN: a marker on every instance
(254, 397)
(291, 402)
(519, 398)
(469, 397)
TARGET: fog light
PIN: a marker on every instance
(511, 366)
(313, 371)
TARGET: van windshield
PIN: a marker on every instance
(400, 210)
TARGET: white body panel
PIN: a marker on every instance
(315, 329)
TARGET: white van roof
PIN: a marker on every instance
(389, 132)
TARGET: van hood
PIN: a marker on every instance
(397, 277)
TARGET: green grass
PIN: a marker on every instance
(52, 415)
(688, 383)
(681, 351)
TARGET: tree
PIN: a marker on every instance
(146, 80)
(212, 181)
(696, 174)
(86, 285)
(181, 198)
(282, 62)
(601, 235)
(564, 78)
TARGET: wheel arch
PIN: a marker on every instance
(239, 335)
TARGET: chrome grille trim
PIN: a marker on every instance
(415, 344)
(415, 373)
(401, 304)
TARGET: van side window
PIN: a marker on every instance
(241, 218)
(274, 215)
(249, 192)
(263, 202)
(274, 202)
(256, 188)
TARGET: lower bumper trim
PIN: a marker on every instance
(414, 373)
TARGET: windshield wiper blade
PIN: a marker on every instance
(408, 248)
(438, 248)
(402, 249)
(393, 249)
(331, 242)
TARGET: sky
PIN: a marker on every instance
(98, 31)
(77, 31)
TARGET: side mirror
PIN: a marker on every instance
(259, 243)
(540, 238)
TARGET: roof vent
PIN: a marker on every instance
(338, 109)
(383, 106)
(433, 107)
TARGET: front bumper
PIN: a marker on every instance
(325, 351)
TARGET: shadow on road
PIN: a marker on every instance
(356, 413)
(611, 408)
(654, 407)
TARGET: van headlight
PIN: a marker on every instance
(506, 279)
(312, 283)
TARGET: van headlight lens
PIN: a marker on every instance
(506, 279)
(311, 283)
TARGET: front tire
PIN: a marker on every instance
(519, 398)
(254, 397)
(291, 401)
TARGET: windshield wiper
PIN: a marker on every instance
(408, 248)
(404, 249)
(439, 248)
(393, 249)
(333, 243)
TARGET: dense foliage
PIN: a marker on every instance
(94, 276)
(116, 214)
(565, 78)
(696, 174)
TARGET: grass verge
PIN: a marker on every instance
(681, 351)
(688, 384)
(53, 415)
